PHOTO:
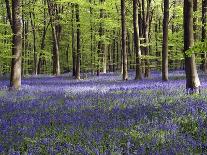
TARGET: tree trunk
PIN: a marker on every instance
(77, 76)
(137, 41)
(192, 80)
(73, 41)
(40, 62)
(56, 59)
(124, 51)
(204, 16)
(114, 52)
(91, 39)
(32, 18)
(195, 19)
(165, 42)
(145, 27)
(15, 21)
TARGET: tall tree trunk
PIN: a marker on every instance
(192, 80)
(40, 62)
(91, 39)
(145, 27)
(15, 21)
(204, 16)
(195, 19)
(32, 18)
(124, 51)
(101, 45)
(137, 41)
(165, 42)
(77, 76)
(114, 51)
(56, 59)
(73, 41)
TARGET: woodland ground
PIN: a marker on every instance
(103, 115)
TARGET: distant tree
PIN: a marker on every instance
(77, 75)
(137, 40)
(73, 41)
(124, 51)
(165, 42)
(195, 19)
(192, 79)
(33, 25)
(145, 16)
(14, 16)
(43, 38)
(203, 37)
(55, 30)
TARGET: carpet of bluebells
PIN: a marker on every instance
(103, 115)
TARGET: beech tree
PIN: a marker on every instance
(52, 9)
(14, 16)
(137, 41)
(203, 36)
(124, 51)
(77, 75)
(165, 41)
(192, 80)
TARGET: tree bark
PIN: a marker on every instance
(15, 22)
(124, 51)
(77, 76)
(73, 41)
(137, 41)
(192, 80)
(165, 42)
(40, 62)
(32, 18)
(145, 31)
(204, 16)
(195, 19)
(56, 59)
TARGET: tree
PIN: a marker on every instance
(146, 15)
(192, 80)
(195, 19)
(203, 37)
(33, 25)
(124, 51)
(137, 41)
(14, 17)
(77, 75)
(73, 42)
(55, 31)
(165, 42)
(44, 32)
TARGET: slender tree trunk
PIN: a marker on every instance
(192, 80)
(204, 16)
(91, 42)
(40, 62)
(114, 52)
(165, 42)
(32, 18)
(103, 46)
(73, 41)
(15, 21)
(77, 76)
(195, 19)
(137, 41)
(56, 60)
(124, 51)
(145, 27)
(174, 16)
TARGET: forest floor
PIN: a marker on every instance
(103, 115)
